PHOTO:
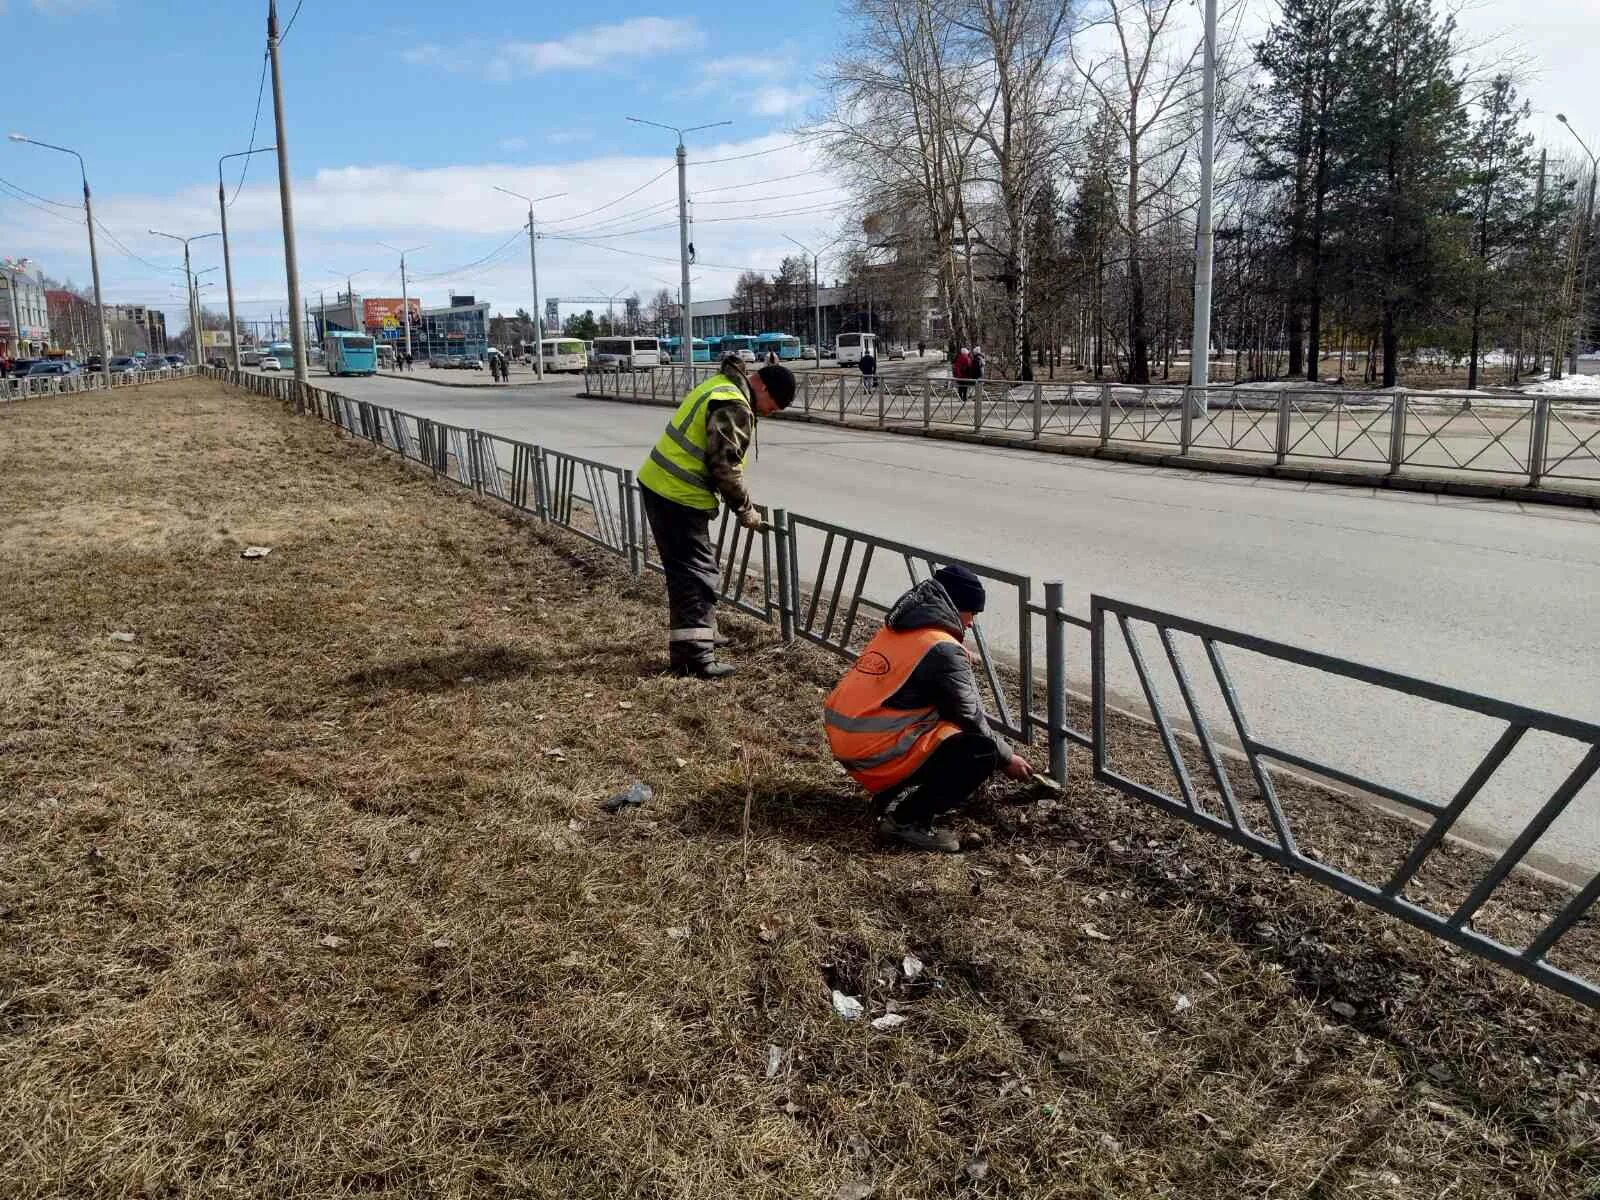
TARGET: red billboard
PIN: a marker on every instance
(385, 317)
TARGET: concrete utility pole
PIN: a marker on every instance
(94, 258)
(686, 304)
(1204, 237)
(286, 202)
(405, 297)
(1579, 308)
(227, 260)
(533, 273)
(189, 283)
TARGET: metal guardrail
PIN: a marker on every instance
(1213, 799)
(66, 385)
(600, 503)
(1394, 433)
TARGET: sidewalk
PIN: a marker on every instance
(453, 378)
(315, 844)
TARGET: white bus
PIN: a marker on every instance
(849, 347)
(564, 354)
(627, 353)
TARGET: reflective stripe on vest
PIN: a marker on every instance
(880, 747)
(676, 469)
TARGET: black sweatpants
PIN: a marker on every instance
(683, 542)
(947, 781)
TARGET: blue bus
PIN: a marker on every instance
(350, 353)
(674, 348)
(787, 345)
(741, 344)
(284, 353)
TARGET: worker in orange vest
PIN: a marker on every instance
(907, 719)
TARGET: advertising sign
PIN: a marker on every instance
(216, 339)
(385, 318)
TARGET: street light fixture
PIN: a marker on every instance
(1588, 225)
(189, 278)
(533, 272)
(685, 302)
(816, 286)
(94, 257)
(227, 261)
(405, 297)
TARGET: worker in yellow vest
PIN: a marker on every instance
(907, 719)
(699, 457)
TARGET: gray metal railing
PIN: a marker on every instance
(66, 385)
(851, 579)
(1394, 433)
(1215, 800)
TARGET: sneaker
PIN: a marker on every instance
(709, 670)
(921, 837)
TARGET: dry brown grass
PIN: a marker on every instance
(296, 902)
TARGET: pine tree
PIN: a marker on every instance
(1502, 167)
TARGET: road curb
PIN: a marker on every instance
(470, 387)
(1189, 462)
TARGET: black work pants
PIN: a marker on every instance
(683, 543)
(946, 781)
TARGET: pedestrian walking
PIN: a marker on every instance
(977, 362)
(907, 721)
(869, 369)
(922, 348)
(961, 372)
(698, 458)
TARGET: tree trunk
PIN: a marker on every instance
(1391, 348)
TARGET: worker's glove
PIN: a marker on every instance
(750, 518)
(1018, 768)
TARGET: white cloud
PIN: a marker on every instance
(778, 101)
(512, 143)
(636, 37)
(566, 137)
(426, 52)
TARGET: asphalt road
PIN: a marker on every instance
(1494, 597)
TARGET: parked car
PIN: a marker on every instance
(216, 360)
(93, 363)
(473, 364)
(52, 366)
(896, 352)
(125, 364)
(21, 366)
(176, 360)
(270, 364)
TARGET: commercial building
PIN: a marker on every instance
(24, 310)
(71, 323)
(384, 318)
(460, 328)
(344, 315)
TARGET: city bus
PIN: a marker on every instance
(787, 345)
(284, 353)
(564, 354)
(350, 353)
(674, 349)
(627, 353)
(849, 347)
(737, 343)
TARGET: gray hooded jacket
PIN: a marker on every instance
(943, 680)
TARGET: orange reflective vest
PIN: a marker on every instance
(880, 747)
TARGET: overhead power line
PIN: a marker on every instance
(706, 162)
(618, 200)
(261, 86)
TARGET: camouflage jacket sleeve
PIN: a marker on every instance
(729, 428)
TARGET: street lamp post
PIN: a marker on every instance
(227, 260)
(405, 297)
(194, 315)
(291, 265)
(1588, 249)
(94, 257)
(686, 302)
(816, 290)
(533, 272)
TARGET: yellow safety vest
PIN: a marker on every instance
(676, 469)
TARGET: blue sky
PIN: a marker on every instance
(404, 117)
(400, 126)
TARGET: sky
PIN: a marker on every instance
(404, 117)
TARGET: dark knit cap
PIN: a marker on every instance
(963, 587)
(780, 383)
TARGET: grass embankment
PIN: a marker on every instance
(305, 891)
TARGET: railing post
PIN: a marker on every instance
(1397, 432)
(1538, 440)
(878, 388)
(841, 399)
(1280, 445)
(1185, 422)
(1105, 414)
(633, 380)
(977, 407)
(786, 598)
(1038, 410)
(541, 502)
(653, 375)
(1055, 654)
(927, 402)
(630, 525)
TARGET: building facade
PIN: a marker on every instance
(24, 310)
(460, 328)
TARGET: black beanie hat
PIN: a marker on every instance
(963, 587)
(780, 383)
